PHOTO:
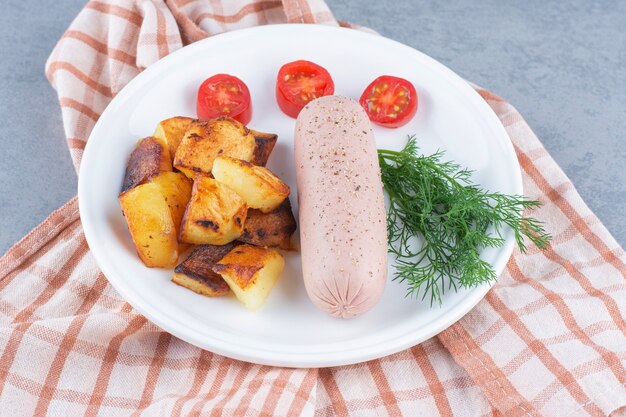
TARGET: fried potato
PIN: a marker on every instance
(206, 140)
(171, 131)
(263, 146)
(176, 188)
(150, 224)
(251, 272)
(196, 273)
(215, 214)
(149, 158)
(274, 229)
(258, 186)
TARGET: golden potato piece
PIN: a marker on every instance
(176, 188)
(206, 140)
(171, 131)
(215, 214)
(259, 188)
(251, 272)
(151, 226)
(196, 273)
(273, 229)
(263, 146)
(149, 158)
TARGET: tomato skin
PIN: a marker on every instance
(288, 107)
(299, 79)
(398, 92)
(224, 95)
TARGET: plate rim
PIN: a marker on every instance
(294, 359)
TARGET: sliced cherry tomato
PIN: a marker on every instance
(390, 101)
(299, 83)
(224, 95)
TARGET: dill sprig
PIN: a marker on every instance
(438, 222)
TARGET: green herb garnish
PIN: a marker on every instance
(438, 222)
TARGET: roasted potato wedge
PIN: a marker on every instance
(263, 146)
(149, 158)
(274, 229)
(196, 272)
(171, 131)
(258, 186)
(215, 214)
(151, 226)
(176, 188)
(251, 272)
(206, 140)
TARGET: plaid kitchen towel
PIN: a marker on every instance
(549, 339)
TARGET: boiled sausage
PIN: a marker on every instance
(343, 230)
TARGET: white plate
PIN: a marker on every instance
(288, 330)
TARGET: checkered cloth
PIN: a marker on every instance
(549, 339)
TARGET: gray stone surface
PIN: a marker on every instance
(36, 172)
(562, 64)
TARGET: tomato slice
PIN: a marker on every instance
(224, 95)
(390, 101)
(300, 82)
